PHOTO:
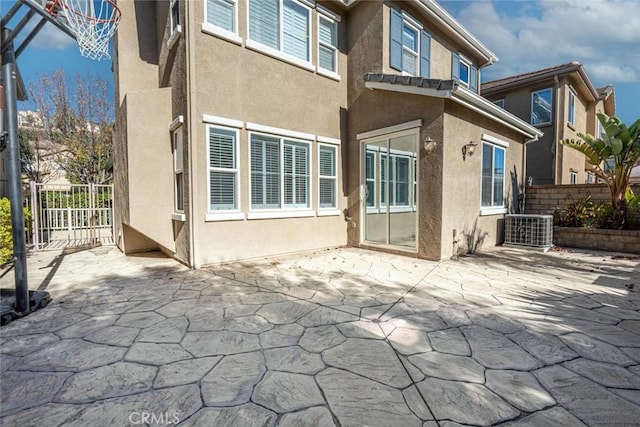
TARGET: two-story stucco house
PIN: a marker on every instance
(249, 128)
(562, 102)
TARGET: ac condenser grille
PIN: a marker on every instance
(534, 231)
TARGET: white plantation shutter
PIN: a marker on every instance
(264, 22)
(328, 39)
(295, 29)
(296, 175)
(370, 173)
(223, 173)
(221, 13)
(265, 172)
(328, 180)
(487, 174)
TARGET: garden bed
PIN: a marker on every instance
(627, 241)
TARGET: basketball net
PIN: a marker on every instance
(93, 26)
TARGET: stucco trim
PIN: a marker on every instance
(389, 129)
(280, 214)
(176, 123)
(259, 47)
(328, 13)
(328, 212)
(329, 74)
(174, 37)
(280, 132)
(221, 33)
(493, 140)
(222, 121)
(493, 211)
(327, 140)
(178, 217)
(230, 216)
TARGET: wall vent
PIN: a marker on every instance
(531, 231)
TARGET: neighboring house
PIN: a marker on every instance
(262, 127)
(561, 102)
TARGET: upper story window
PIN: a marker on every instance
(464, 71)
(222, 14)
(571, 114)
(327, 44)
(175, 16)
(573, 176)
(499, 103)
(410, 46)
(541, 107)
(282, 25)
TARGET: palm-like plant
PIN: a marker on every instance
(619, 147)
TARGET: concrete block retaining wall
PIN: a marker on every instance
(545, 199)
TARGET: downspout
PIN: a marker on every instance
(194, 261)
(556, 132)
(523, 169)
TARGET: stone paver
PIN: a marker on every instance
(341, 337)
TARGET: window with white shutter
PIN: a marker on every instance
(282, 25)
(222, 14)
(328, 44)
(280, 173)
(223, 169)
(176, 142)
(370, 170)
(493, 158)
(328, 177)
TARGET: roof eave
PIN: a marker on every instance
(468, 99)
(461, 33)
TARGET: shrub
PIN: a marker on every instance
(6, 238)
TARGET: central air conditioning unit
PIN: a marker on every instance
(530, 231)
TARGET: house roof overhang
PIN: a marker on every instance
(450, 89)
(450, 24)
(573, 69)
(460, 33)
(607, 95)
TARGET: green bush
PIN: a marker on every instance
(6, 238)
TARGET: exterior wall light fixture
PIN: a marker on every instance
(469, 149)
(429, 145)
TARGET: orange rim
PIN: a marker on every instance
(54, 6)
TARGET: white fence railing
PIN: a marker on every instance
(71, 215)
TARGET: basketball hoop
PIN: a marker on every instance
(93, 26)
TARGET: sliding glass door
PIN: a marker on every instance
(390, 186)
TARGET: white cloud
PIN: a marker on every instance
(603, 35)
(51, 37)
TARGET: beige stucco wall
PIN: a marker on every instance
(148, 158)
(461, 186)
(239, 83)
(570, 159)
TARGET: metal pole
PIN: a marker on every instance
(15, 181)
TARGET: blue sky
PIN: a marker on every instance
(526, 35)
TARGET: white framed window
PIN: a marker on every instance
(221, 19)
(571, 114)
(327, 44)
(399, 173)
(282, 27)
(591, 178)
(327, 176)
(370, 178)
(178, 169)
(499, 103)
(573, 176)
(222, 146)
(541, 107)
(175, 23)
(464, 72)
(492, 182)
(280, 173)
(410, 46)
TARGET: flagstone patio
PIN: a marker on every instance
(337, 337)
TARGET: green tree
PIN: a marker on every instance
(81, 121)
(618, 147)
